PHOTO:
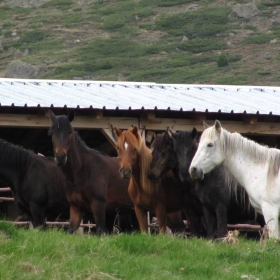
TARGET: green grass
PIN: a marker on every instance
(53, 254)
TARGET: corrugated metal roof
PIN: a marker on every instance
(130, 95)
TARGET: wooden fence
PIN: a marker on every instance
(152, 224)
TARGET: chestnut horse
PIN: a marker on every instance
(94, 183)
(164, 197)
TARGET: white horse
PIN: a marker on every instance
(255, 167)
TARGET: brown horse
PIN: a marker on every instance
(93, 180)
(161, 198)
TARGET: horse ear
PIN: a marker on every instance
(166, 136)
(135, 131)
(71, 116)
(52, 116)
(218, 126)
(173, 135)
(193, 133)
(205, 124)
(118, 131)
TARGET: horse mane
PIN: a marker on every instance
(145, 158)
(262, 154)
(159, 142)
(11, 153)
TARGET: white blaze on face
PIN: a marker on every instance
(125, 145)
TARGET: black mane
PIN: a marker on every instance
(13, 154)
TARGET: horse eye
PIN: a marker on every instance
(210, 145)
(163, 154)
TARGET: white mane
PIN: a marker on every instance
(231, 142)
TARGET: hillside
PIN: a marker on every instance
(164, 41)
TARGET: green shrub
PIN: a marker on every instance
(258, 39)
(165, 3)
(59, 4)
(222, 60)
(202, 23)
(113, 22)
(199, 45)
(114, 47)
(31, 37)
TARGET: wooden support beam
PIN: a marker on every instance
(80, 122)
(110, 135)
(272, 128)
(148, 123)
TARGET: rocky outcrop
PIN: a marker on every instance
(22, 70)
(244, 11)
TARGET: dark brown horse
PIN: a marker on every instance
(38, 185)
(93, 180)
(164, 197)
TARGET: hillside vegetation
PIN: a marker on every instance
(163, 41)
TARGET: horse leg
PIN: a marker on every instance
(76, 217)
(161, 216)
(271, 215)
(141, 215)
(221, 213)
(37, 215)
(175, 222)
(211, 223)
(98, 209)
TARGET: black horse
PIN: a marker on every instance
(223, 201)
(164, 159)
(37, 184)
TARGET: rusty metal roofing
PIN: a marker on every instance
(133, 95)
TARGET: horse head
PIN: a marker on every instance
(209, 153)
(61, 131)
(184, 145)
(128, 146)
(163, 157)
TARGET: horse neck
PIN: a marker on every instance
(74, 156)
(243, 167)
(141, 169)
(13, 163)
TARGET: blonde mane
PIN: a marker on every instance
(231, 142)
(145, 158)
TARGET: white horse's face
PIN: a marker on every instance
(209, 153)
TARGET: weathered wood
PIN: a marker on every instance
(109, 134)
(80, 122)
(26, 223)
(96, 121)
(5, 189)
(6, 198)
(232, 126)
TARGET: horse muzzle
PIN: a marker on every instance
(184, 175)
(125, 172)
(60, 159)
(152, 176)
(196, 173)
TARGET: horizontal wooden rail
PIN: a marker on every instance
(26, 223)
(5, 189)
(6, 198)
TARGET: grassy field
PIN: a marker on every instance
(160, 41)
(53, 254)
